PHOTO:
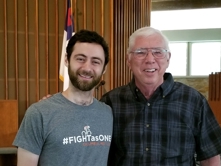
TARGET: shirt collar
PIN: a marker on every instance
(164, 88)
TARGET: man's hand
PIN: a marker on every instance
(45, 97)
(213, 161)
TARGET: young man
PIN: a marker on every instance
(158, 121)
(72, 127)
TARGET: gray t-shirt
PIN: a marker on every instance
(67, 134)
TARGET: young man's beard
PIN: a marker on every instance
(83, 85)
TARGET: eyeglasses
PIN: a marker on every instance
(158, 53)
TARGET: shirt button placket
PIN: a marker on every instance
(147, 126)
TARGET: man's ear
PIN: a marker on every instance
(128, 60)
(169, 56)
(66, 60)
(168, 59)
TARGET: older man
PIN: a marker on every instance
(158, 121)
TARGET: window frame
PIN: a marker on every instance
(189, 57)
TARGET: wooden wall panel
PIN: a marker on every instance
(129, 15)
(31, 35)
(214, 98)
(97, 15)
(115, 20)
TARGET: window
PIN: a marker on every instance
(195, 40)
(178, 60)
(195, 58)
(205, 58)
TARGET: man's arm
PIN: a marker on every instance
(26, 158)
(213, 161)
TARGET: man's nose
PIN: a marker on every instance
(149, 55)
(87, 65)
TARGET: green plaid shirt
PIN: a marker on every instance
(166, 130)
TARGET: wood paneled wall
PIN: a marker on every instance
(115, 20)
(31, 34)
(97, 15)
(129, 15)
(214, 98)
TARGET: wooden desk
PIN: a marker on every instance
(8, 122)
(8, 130)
